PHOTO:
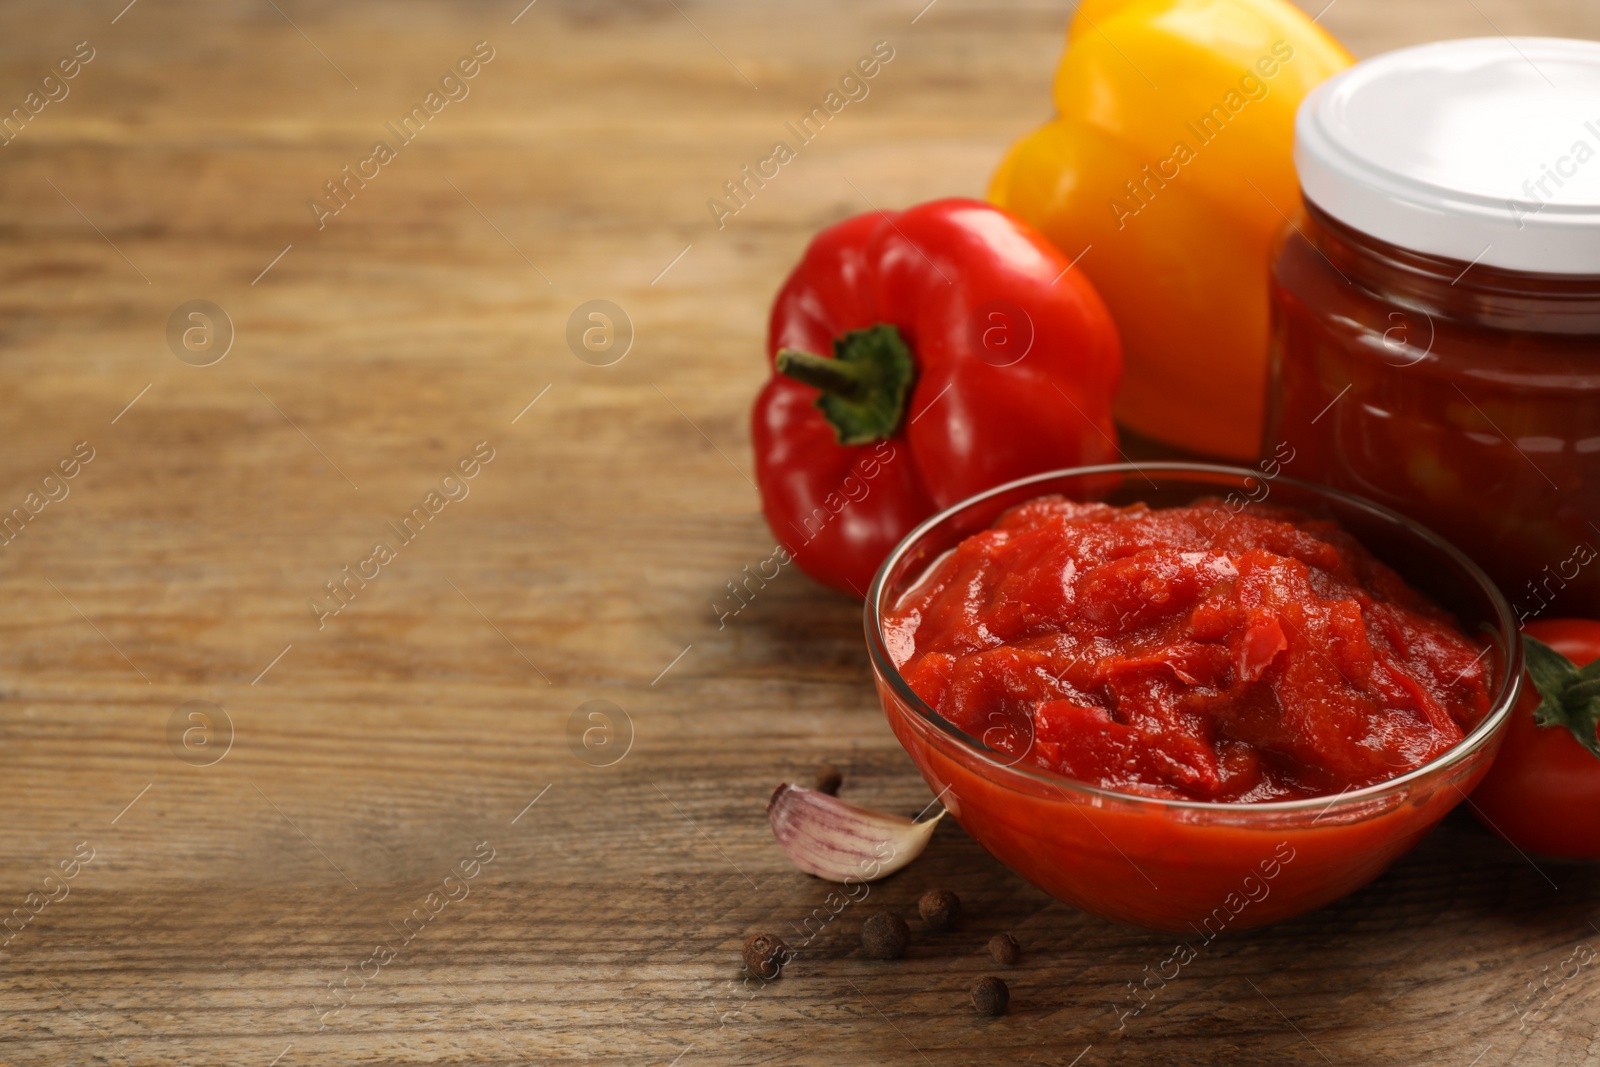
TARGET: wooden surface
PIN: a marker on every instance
(371, 756)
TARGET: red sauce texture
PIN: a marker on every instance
(1204, 653)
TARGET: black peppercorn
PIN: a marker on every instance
(829, 779)
(1004, 949)
(991, 996)
(766, 955)
(885, 936)
(939, 909)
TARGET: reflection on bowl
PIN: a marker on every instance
(1183, 865)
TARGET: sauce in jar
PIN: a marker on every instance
(1436, 311)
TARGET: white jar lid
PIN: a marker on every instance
(1484, 150)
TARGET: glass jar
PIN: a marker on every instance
(1436, 309)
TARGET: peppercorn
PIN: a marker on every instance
(939, 909)
(885, 936)
(1004, 949)
(829, 779)
(991, 996)
(766, 955)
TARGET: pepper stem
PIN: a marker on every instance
(1570, 696)
(864, 386)
(833, 376)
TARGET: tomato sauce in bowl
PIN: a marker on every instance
(1181, 711)
(1195, 652)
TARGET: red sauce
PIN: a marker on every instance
(1466, 399)
(1211, 653)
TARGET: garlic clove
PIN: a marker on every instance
(840, 841)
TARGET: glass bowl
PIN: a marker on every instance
(1189, 866)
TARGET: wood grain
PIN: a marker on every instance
(372, 756)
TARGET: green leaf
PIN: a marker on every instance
(1569, 697)
(864, 386)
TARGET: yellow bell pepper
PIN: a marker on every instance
(1168, 170)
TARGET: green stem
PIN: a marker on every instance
(1569, 695)
(863, 388)
(832, 376)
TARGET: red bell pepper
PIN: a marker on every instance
(920, 357)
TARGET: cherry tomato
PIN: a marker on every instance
(1543, 792)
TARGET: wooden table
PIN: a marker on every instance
(269, 791)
